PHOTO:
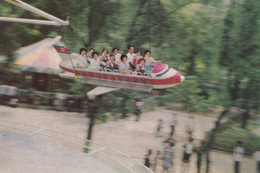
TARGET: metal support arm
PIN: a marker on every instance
(29, 21)
(32, 9)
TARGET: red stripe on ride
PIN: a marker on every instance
(176, 79)
(172, 80)
(68, 70)
(60, 49)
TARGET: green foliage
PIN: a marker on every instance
(240, 55)
(188, 35)
(226, 140)
(188, 94)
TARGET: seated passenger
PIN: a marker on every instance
(95, 61)
(149, 61)
(130, 55)
(117, 55)
(137, 58)
(112, 64)
(124, 66)
(104, 58)
(141, 67)
(82, 59)
(89, 54)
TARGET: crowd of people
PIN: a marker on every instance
(167, 156)
(12, 96)
(189, 148)
(130, 63)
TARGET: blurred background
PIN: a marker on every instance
(215, 44)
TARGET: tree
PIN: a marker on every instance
(148, 24)
(239, 53)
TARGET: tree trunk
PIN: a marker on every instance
(191, 59)
(245, 117)
(133, 23)
(92, 111)
(212, 138)
(234, 90)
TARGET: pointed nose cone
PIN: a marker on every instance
(182, 78)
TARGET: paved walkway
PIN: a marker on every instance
(23, 153)
(133, 138)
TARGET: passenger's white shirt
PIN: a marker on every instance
(130, 57)
(117, 58)
(95, 64)
(82, 61)
(238, 154)
(189, 148)
(257, 156)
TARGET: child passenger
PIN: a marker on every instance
(112, 64)
(141, 67)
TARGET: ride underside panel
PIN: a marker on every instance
(115, 84)
(101, 90)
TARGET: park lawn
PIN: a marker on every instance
(226, 140)
(253, 126)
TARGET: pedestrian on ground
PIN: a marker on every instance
(200, 150)
(173, 123)
(138, 108)
(190, 126)
(3, 93)
(156, 159)
(61, 97)
(159, 126)
(169, 139)
(13, 102)
(147, 161)
(168, 157)
(188, 149)
(238, 156)
(257, 159)
(31, 96)
(11, 92)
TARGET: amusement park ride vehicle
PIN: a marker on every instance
(162, 76)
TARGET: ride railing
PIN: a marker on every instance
(42, 97)
(115, 159)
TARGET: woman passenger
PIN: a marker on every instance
(124, 66)
(149, 61)
(104, 58)
(117, 55)
(89, 54)
(82, 59)
(95, 61)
